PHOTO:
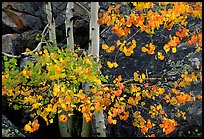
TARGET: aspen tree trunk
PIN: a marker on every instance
(94, 30)
(94, 50)
(86, 128)
(51, 22)
(65, 128)
(69, 25)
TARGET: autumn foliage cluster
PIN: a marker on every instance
(52, 84)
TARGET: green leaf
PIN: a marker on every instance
(37, 37)
(7, 65)
(5, 58)
(47, 100)
(16, 107)
(13, 61)
(23, 79)
(52, 115)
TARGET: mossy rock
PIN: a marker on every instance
(9, 130)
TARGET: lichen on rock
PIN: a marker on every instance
(9, 130)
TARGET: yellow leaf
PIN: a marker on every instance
(159, 107)
(27, 128)
(136, 78)
(133, 41)
(63, 106)
(59, 111)
(143, 103)
(115, 65)
(51, 121)
(174, 50)
(59, 51)
(118, 42)
(97, 81)
(70, 114)
(88, 61)
(48, 109)
(143, 76)
(27, 51)
(166, 48)
(160, 56)
(105, 46)
(122, 98)
(144, 49)
(114, 122)
(110, 65)
(92, 108)
(140, 80)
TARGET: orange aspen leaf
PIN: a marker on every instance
(110, 120)
(146, 84)
(117, 93)
(144, 130)
(199, 97)
(63, 118)
(98, 106)
(121, 86)
(152, 135)
(88, 70)
(35, 125)
(149, 125)
(154, 88)
(144, 49)
(160, 56)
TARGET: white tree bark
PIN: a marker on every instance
(51, 22)
(86, 128)
(69, 25)
(94, 50)
(94, 30)
(66, 127)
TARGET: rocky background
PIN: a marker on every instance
(22, 21)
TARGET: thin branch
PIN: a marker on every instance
(9, 55)
(132, 81)
(104, 30)
(36, 49)
(83, 8)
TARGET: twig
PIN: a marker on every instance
(36, 117)
(132, 35)
(146, 73)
